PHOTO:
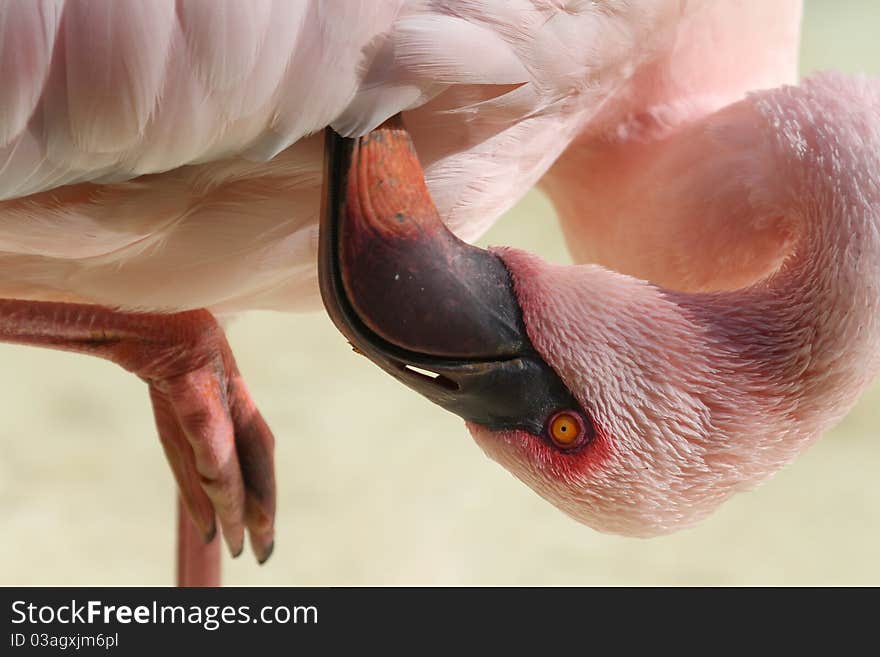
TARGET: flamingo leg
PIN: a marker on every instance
(218, 445)
(198, 562)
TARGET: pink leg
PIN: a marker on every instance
(198, 563)
(217, 443)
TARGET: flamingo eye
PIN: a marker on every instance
(566, 429)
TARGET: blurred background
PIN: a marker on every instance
(377, 486)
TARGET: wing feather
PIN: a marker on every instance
(27, 38)
(156, 154)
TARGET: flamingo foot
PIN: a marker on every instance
(217, 443)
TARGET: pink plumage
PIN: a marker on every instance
(699, 395)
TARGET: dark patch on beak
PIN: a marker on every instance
(436, 313)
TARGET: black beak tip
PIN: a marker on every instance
(439, 315)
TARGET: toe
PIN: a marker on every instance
(201, 407)
(180, 457)
(255, 445)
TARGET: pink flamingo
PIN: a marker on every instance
(157, 170)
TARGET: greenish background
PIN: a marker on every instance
(377, 486)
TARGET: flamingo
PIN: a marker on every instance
(162, 168)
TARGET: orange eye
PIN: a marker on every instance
(565, 429)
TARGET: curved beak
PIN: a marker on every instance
(434, 312)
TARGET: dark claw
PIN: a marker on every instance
(267, 554)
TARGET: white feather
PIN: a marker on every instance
(156, 154)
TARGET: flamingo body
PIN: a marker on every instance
(162, 156)
(154, 157)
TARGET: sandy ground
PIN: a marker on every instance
(377, 486)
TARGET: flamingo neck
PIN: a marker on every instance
(708, 392)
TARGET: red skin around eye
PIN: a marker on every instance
(509, 446)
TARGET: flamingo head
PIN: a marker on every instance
(661, 407)
(634, 408)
